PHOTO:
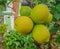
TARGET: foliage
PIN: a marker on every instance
(5, 2)
(15, 40)
(3, 28)
(55, 10)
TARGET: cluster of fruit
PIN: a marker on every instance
(33, 20)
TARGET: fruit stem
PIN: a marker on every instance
(41, 46)
(51, 44)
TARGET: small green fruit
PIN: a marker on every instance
(25, 11)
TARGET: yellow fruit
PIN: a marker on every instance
(39, 13)
(41, 34)
(25, 11)
(49, 19)
(23, 24)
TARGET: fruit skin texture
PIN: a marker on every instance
(41, 34)
(23, 24)
(25, 11)
(49, 19)
(39, 13)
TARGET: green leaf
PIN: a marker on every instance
(57, 39)
(54, 19)
(58, 8)
(57, 15)
(53, 30)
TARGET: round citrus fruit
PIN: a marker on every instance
(41, 34)
(25, 11)
(39, 13)
(23, 24)
(49, 19)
